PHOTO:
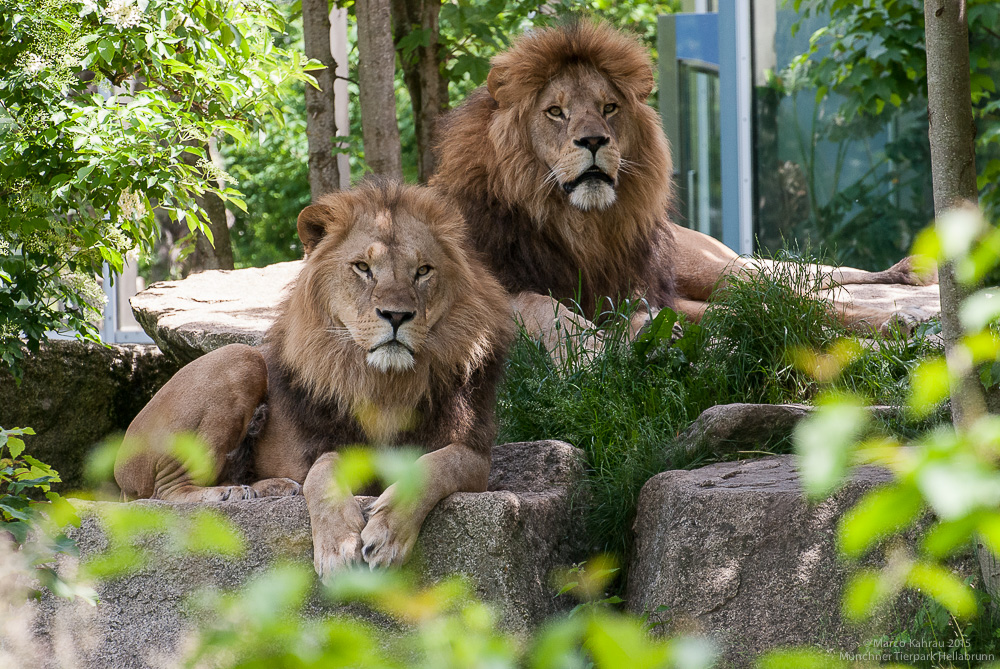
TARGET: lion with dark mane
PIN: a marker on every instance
(393, 333)
(564, 175)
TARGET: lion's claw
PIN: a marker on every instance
(233, 493)
(336, 555)
(388, 538)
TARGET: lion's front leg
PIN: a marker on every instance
(213, 398)
(335, 517)
(393, 524)
(560, 330)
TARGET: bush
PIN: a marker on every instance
(626, 406)
(105, 112)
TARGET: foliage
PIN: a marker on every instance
(381, 618)
(272, 167)
(869, 61)
(35, 525)
(472, 31)
(935, 630)
(273, 170)
(444, 625)
(952, 474)
(626, 405)
(105, 108)
(619, 407)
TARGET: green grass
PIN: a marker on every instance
(957, 643)
(626, 405)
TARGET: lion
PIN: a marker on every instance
(393, 333)
(564, 174)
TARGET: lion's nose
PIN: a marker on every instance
(396, 318)
(593, 142)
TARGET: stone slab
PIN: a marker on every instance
(506, 540)
(734, 550)
(208, 310)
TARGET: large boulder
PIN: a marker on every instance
(726, 429)
(736, 551)
(506, 540)
(208, 310)
(74, 394)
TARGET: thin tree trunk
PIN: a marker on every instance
(376, 83)
(321, 122)
(217, 254)
(953, 164)
(422, 74)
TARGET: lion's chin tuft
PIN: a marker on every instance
(391, 357)
(592, 194)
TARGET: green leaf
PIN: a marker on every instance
(659, 329)
(879, 514)
(107, 50)
(945, 538)
(944, 587)
(929, 386)
(863, 593)
(823, 442)
(16, 447)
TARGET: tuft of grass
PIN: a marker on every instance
(935, 639)
(626, 405)
(753, 325)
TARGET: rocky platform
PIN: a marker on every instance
(507, 540)
(191, 317)
(734, 550)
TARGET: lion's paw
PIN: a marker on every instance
(218, 493)
(389, 536)
(333, 553)
(336, 533)
(914, 271)
(277, 487)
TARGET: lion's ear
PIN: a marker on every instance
(495, 79)
(312, 224)
(644, 86)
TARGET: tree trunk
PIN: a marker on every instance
(376, 73)
(217, 254)
(321, 122)
(953, 165)
(422, 74)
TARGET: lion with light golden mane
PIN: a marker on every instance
(564, 175)
(392, 334)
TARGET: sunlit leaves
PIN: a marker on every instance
(77, 142)
(944, 587)
(358, 468)
(824, 441)
(139, 534)
(879, 514)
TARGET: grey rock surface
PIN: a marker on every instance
(74, 394)
(734, 550)
(726, 429)
(208, 310)
(507, 540)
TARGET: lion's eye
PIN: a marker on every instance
(362, 267)
(554, 111)
(424, 270)
(610, 108)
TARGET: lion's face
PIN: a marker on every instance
(574, 131)
(384, 277)
(389, 297)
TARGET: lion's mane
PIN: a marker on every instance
(320, 377)
(534, 239)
